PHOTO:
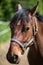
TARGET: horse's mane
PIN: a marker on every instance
(39, 17)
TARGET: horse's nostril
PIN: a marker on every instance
(12, 59)
(15, 58)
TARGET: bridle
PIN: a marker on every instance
(21, 45)
(24, 47)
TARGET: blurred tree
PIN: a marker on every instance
(8, 7)
(1, 1)
(13, 4)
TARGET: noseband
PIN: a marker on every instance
(21, 45)
(24, 47)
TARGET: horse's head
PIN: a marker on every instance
(21, 33)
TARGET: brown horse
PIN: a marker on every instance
(26, 31)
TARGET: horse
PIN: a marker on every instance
(26, 31)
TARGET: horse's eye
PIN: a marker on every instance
(25, 29)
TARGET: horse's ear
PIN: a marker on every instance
(19, 6)
(34, 9)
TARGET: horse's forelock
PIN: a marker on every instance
(20, 15)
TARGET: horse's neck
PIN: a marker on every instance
(39, 37)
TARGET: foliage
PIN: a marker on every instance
(8, 7)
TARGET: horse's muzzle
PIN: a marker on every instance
(13, 60)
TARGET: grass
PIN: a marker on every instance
(5, 37)
(3, 27)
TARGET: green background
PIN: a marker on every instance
(8, 9)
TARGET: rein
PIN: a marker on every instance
(24, 47)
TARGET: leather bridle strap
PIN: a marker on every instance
(30, 42)
(21, 45)
(17, 42)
